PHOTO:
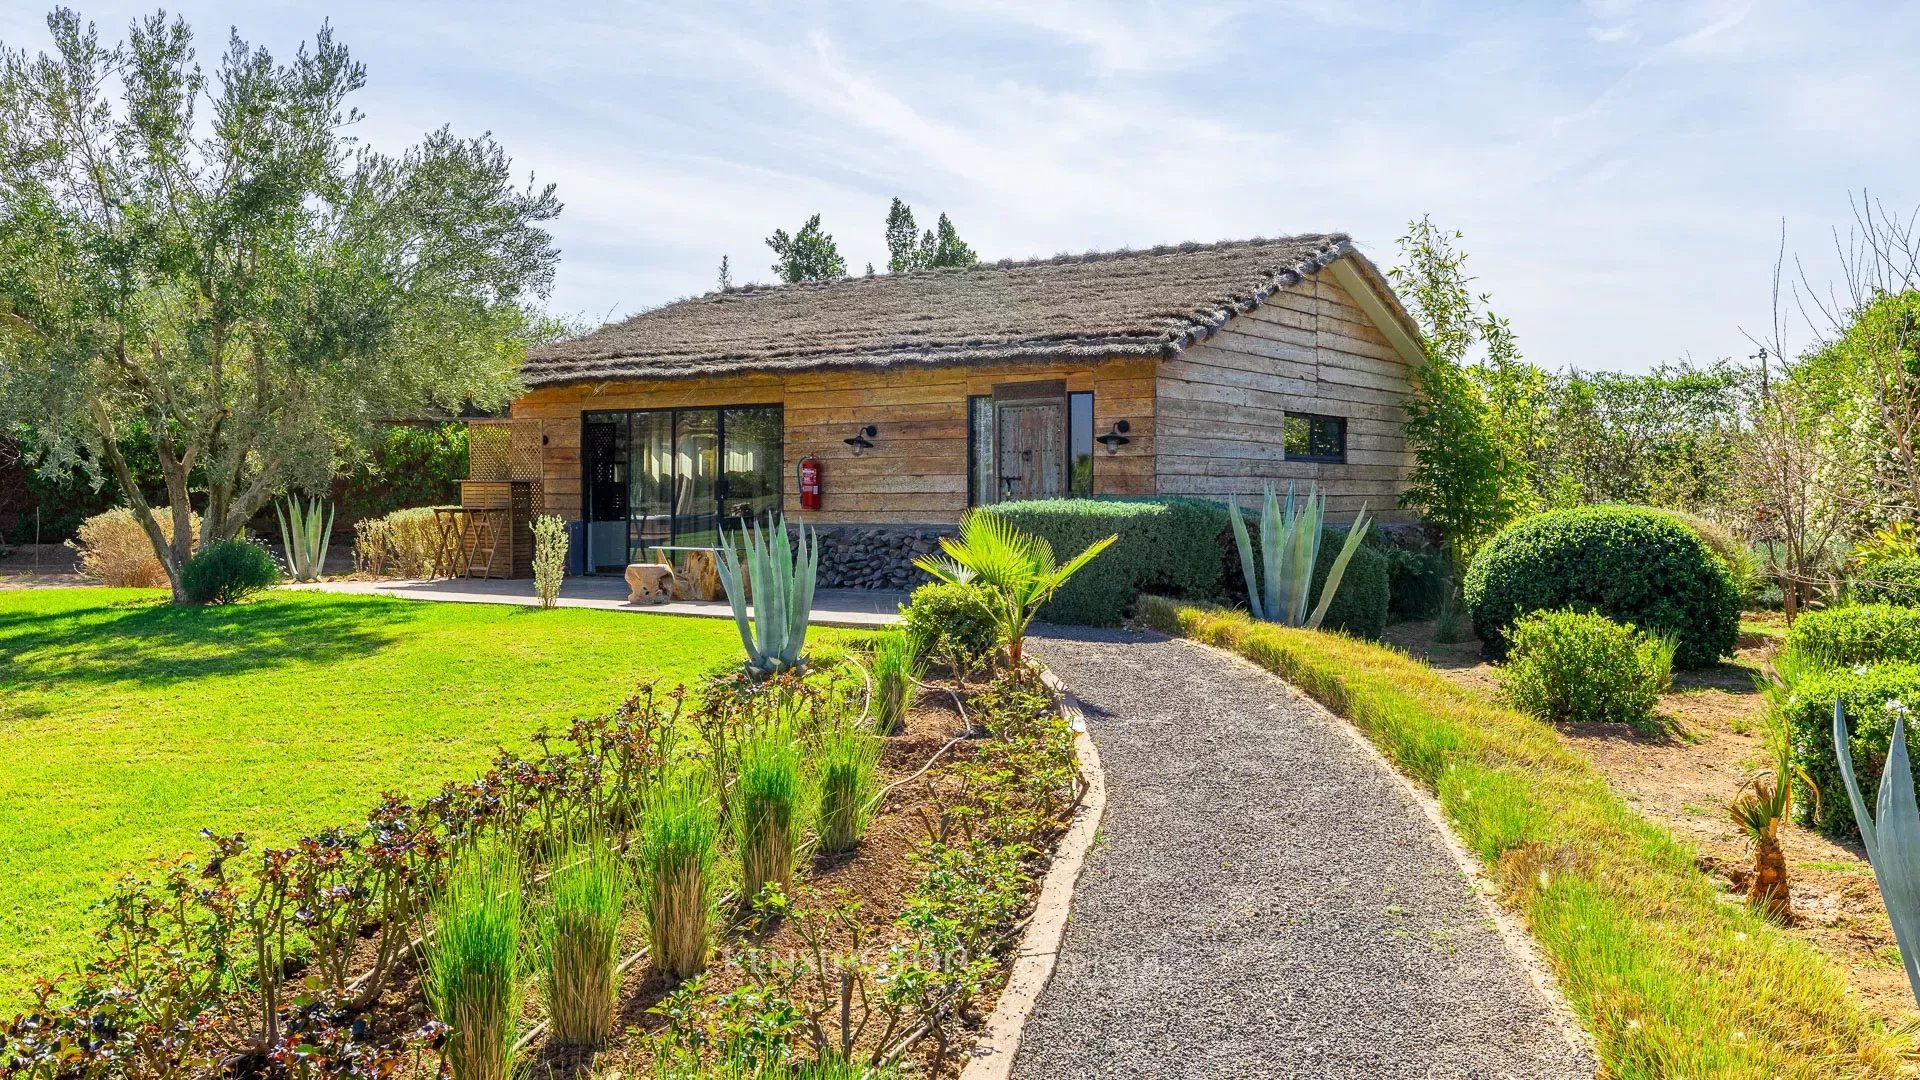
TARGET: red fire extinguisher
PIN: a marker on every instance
(809, 483)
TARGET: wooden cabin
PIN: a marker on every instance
(1202, 369)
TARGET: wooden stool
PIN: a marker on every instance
(649, 583)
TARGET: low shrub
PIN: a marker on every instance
(114, 548)
(1630, 564)
(1578, 667)
(1873, 695)
(549, 557)
(1856, 634)
(1889, 581)
(1166, 545)
(953, 625)
(228, 571)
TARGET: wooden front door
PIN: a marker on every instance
(1030, 439)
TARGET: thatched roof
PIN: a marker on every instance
(1150, 303)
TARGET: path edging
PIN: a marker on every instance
(1525, 951)
(1033, 965)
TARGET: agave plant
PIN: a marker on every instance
(781, 582)
(1289, 547)
(304, 536)
(1017, 566)
(1891, 837)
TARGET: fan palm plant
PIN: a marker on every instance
(1762, 803)
(1017, 566)
(1289, 548)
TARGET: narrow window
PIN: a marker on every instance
(980, 471)
(1311, 437)
(1080, 444)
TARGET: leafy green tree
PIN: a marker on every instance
(1466, 479)
(808, 255)
(943, 247)
(249, 284)
(903, 238)
(938, 246)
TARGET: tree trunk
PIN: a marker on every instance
(1770, 889)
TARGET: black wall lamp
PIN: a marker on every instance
(862, 439)
(1116, 438)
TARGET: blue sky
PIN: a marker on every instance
(1621, 169)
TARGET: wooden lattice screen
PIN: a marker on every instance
(500, 450)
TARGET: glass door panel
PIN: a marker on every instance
(604, 461)
(752, 465)
(696, 477)
(651, 499)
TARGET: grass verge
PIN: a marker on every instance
(127, 724)
(1671, 981)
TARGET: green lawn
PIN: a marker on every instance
(127, 724)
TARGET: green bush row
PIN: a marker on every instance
(1873, 695)
(1894, 580)
(1183, 547)
(1856, 634)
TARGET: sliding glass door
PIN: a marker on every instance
(676, 476)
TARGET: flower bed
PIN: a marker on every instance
(304, 960)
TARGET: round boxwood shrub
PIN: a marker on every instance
(1633, 565)
(1856, 634)
(1889, 581)
(1872, 696)
(1579, 667)
(227, 571)
(951, 624)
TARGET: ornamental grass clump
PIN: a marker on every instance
(897, 671)
(579, 940)
(676, 875)
(766, 808)
(472, 976)
(114, 547)
(849, 760)
(1579, 667)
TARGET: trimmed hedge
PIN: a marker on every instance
(1631, 564)
(951, 624)
(1889, 581)
(1181, 547)
(1856, 634)
(1809, 714)
(1360, 607)
(1166, 545)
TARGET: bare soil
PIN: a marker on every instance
(1685, 779)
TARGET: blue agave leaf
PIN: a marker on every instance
(1898, 867)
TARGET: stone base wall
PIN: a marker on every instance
(876, 556)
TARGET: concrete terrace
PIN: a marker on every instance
(857, 608)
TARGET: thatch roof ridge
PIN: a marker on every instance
(1146, 303)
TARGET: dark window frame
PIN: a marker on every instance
(1319, 440)
(720, 437)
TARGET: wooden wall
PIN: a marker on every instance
(917, 470)
(1308, 349)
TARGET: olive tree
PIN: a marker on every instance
(215, 260)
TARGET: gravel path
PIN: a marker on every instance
(1265, 899)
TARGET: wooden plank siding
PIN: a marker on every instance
(917, 470)
(1219, 406)
(1208, 423)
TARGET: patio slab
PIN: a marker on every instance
(857, 608)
